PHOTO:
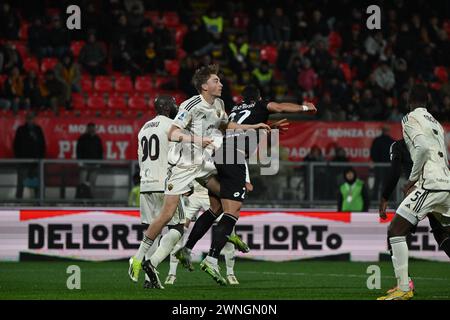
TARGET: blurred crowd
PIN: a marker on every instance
(319, 51)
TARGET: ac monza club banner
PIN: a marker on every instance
(355, 137)
(273, 235)
(119, 137)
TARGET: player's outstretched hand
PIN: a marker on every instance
(262, 126)
(311, 107)
(382, 208)
(281, 125)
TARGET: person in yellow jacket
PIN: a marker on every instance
(213, 22)
(352, 195)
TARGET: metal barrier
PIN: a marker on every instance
(108, 182)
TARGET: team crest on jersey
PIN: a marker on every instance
(170, 186)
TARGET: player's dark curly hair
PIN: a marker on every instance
(202, 75)
(166, 106)
(251, 93)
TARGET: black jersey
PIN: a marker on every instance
(246, 113)
(400, 163)
(250, 113)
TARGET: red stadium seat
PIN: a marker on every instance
(117, 102)
(78, 101)
(103, 84)
(48, 64)
(172, 67)
(162, 80)
(143, 84)
(181, 54)
(440, 72)
(171, 19)
(123, 84)
(180, 32)
(31, 64)
(96, 102)
(23, 31)
(76, 47)
(137, 102)
(179, 97)
(3, 78)
(86, 83)
(269, 53)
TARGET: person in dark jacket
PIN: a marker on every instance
(89, 147)
(29, 143)
(379, 153)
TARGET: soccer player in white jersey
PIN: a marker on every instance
(428, 186)
(192, 205)
(152, 153)
(200, 116)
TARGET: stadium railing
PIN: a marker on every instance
(52, 182)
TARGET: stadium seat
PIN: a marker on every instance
(181, 54)
(78, 101)
(103, 84)
(3, 78)
(162, 80)
(269, 53)
(31, 64)
(171, 19)
(137, 102)
(96, 102)
(172, 67)
(152, 15)
(180, 32)
(117, 101)
(179, 97)
(143, 84)
(123, 84)
(440, 72)
(21, 48)
(76, 47)
(23, 31)
(86, 83)
(48, 64)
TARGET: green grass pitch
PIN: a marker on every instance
(259, 280)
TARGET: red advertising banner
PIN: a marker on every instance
(119, 137)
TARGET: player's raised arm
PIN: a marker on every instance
(177, 135)
(288, 107)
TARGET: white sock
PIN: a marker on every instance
(173, 260)
(168, 242)
(400, 256)
(146, 244)
(212, 260)
(228, 252)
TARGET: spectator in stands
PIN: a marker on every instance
(92, 56)
(384, 77)
(320, 57)
(285, 53)
(9, 58)
(213, 22)
(187, 68)
(238, 56)
(292, 72)
(58, 39)
(281, 26)
(315, 155)
(89, 147)
(54, 91)
(122, 29)
(370, 107)
(263, 79)
(135, 192)
(352, 195)
(13, 95)
(135, 17)
(124, 59)
(9, 23)
(300, 26)
(261, 30)
(150, 60)
(197, 41)
(318, 26)
(29, 143)
(32, 92)
(38, 39)
(307, 79)
(375, 45)
(69, 72)
(164, 41)
(379, 153)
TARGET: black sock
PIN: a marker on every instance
(201, 226)
(445, 245)
(224, 228)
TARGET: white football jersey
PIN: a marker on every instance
(435, 173)
(153, 148)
